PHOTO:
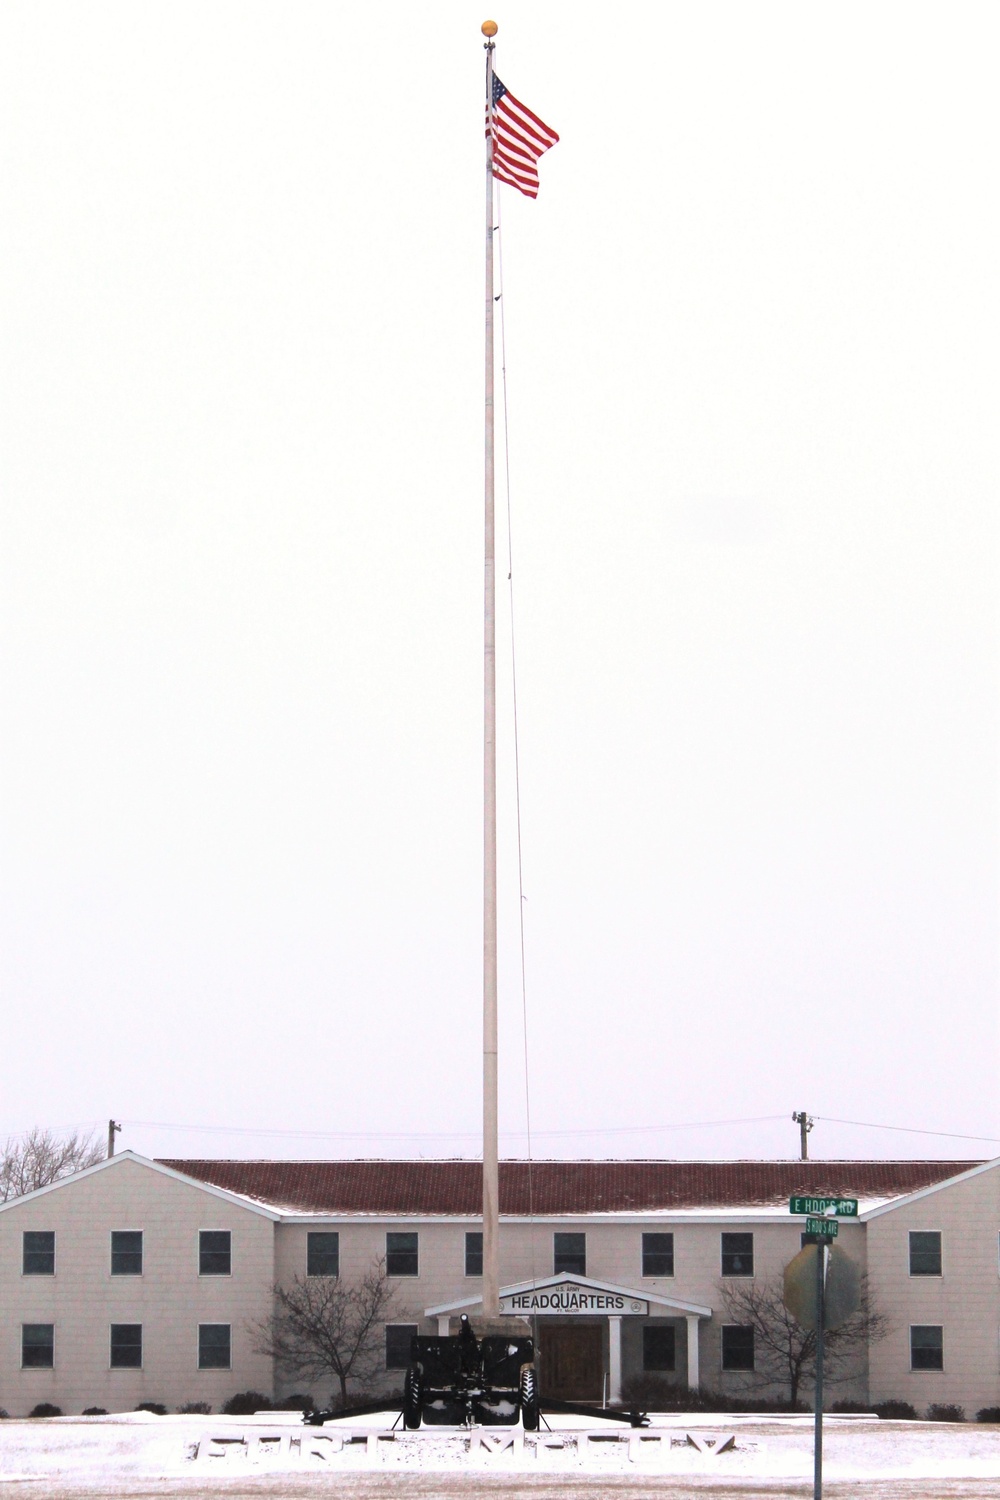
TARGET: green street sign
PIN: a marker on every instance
(844, 1208)
(825, 1228)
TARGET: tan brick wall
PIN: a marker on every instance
(964, 1300)
(614, 1254)
(170, 1299)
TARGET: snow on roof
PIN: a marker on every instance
(545, 1189)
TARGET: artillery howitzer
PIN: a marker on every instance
(462, 1381)
(465, 1381)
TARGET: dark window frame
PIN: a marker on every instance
(212, 1364)
(664, 1254)
(122, 1255)
(48, 1254)
(653, 1333)
(204, 1252)
(737, 1366)
(124, 1344)
(932, 1349)
(49, 1345)
(473, 1255)
(402, 1255)
(734, 1256)
(567, 1261)
(402, 1330)
(314, 1254)
(930, 1255)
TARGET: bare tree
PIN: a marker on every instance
(35, 1159)
(323, 1326)
(784, 1352)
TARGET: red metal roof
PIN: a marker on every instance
(557, 1187)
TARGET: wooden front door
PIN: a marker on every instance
(572, 1361)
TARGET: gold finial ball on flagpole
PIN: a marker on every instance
(489, 28)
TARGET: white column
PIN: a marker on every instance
(615, 1360)
(444, 1327)
(693, 1377)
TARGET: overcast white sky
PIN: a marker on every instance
(752, 329)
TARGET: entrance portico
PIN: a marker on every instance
(566, 1297)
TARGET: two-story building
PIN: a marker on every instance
(139, 1280)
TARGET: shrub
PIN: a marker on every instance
(944, 1411)
(651, 1392)
(988, 1414)
(295, 1403)
(156, 1407)
(95, 1411)
(852, 1409)
(245, 1403)
(895, 1411)
(195, 1409)
(654, 1393)
(45, 1409)
(4, 1415)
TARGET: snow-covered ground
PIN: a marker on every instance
(140, 1454)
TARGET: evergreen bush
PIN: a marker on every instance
(895, 1411)
(245, 1403)
(944, 1411)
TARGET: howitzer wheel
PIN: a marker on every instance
(528, 1392)
(413, 1397)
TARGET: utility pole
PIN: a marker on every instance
(114, 1126)
(805, 1123)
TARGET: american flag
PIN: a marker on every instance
(519, 138)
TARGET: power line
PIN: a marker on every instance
(951, 1135)
(440, 1135)
(467, 1135)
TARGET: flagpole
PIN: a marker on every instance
(491, 1168)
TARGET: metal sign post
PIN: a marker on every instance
(811, 1312)
(820, 1342)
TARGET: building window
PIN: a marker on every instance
(323, 1253)
(126, 1252)
(398, 1342)
(215, 1346)
(37, 1346)
(215, 1253)
(38, 1252)
(569, 1254)
(659, 1347)
(925, 1252)
(401, 1258)
(926, 1348)
(737, 1347)
(474, 1253)
(658, 1256)
(126, 1346)
(737, 1255)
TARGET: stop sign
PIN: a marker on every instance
(843, 1288)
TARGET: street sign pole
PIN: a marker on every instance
(820, 1232)
(821, 1254)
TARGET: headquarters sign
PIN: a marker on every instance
(573, 1301)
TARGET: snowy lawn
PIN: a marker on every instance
(138, 1455)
